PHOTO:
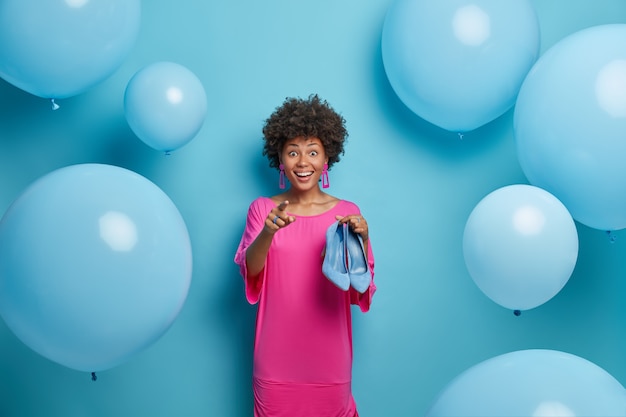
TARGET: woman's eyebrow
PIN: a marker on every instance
(297, 145)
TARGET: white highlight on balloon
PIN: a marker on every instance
(118, 231)
(611, 88)
(528, 220)
(76, 3)
(471, 25)
(174, 95)
(553, 409)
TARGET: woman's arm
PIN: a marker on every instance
(257, 253)
(258, 250)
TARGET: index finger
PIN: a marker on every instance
(282, 206)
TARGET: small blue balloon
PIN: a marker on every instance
(58, 49)
(520, 246)
(534, 382)
(95, 265)
(569, 124)
(459, 64)
(165, 105)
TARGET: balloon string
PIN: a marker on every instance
(55, 106)
(93, 376)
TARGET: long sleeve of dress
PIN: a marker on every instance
(255, 222)
(364, 301)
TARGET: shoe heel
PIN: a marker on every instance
(358, 268)
(334, 266)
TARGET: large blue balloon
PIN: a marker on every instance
(533, 382)
(58, 49)
(165, 105)
(459, 64)
(95, 265)
(570, 124)
(520, 246)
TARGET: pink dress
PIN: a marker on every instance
(303, 342)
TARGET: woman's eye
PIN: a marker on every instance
(313, 153)
(293, 153)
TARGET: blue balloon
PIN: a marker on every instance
(569, 124)
(535, 382)
(520, 246)
(459, 64)
(58, 49)
(165, 105)
(95, 265)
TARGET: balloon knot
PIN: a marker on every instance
(517, 312)
(93, 376)
(611, 235)
(55, 106)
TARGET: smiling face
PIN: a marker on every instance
(303, 159)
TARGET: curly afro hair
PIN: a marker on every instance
(310, 118)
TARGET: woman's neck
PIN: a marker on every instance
(306, 203)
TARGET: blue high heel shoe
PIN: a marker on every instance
(358, 268)
(334, 265)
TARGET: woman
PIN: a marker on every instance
(303, 342)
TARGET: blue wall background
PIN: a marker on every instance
(416, 183)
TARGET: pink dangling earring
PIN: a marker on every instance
(281, 178)
(325, 181)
